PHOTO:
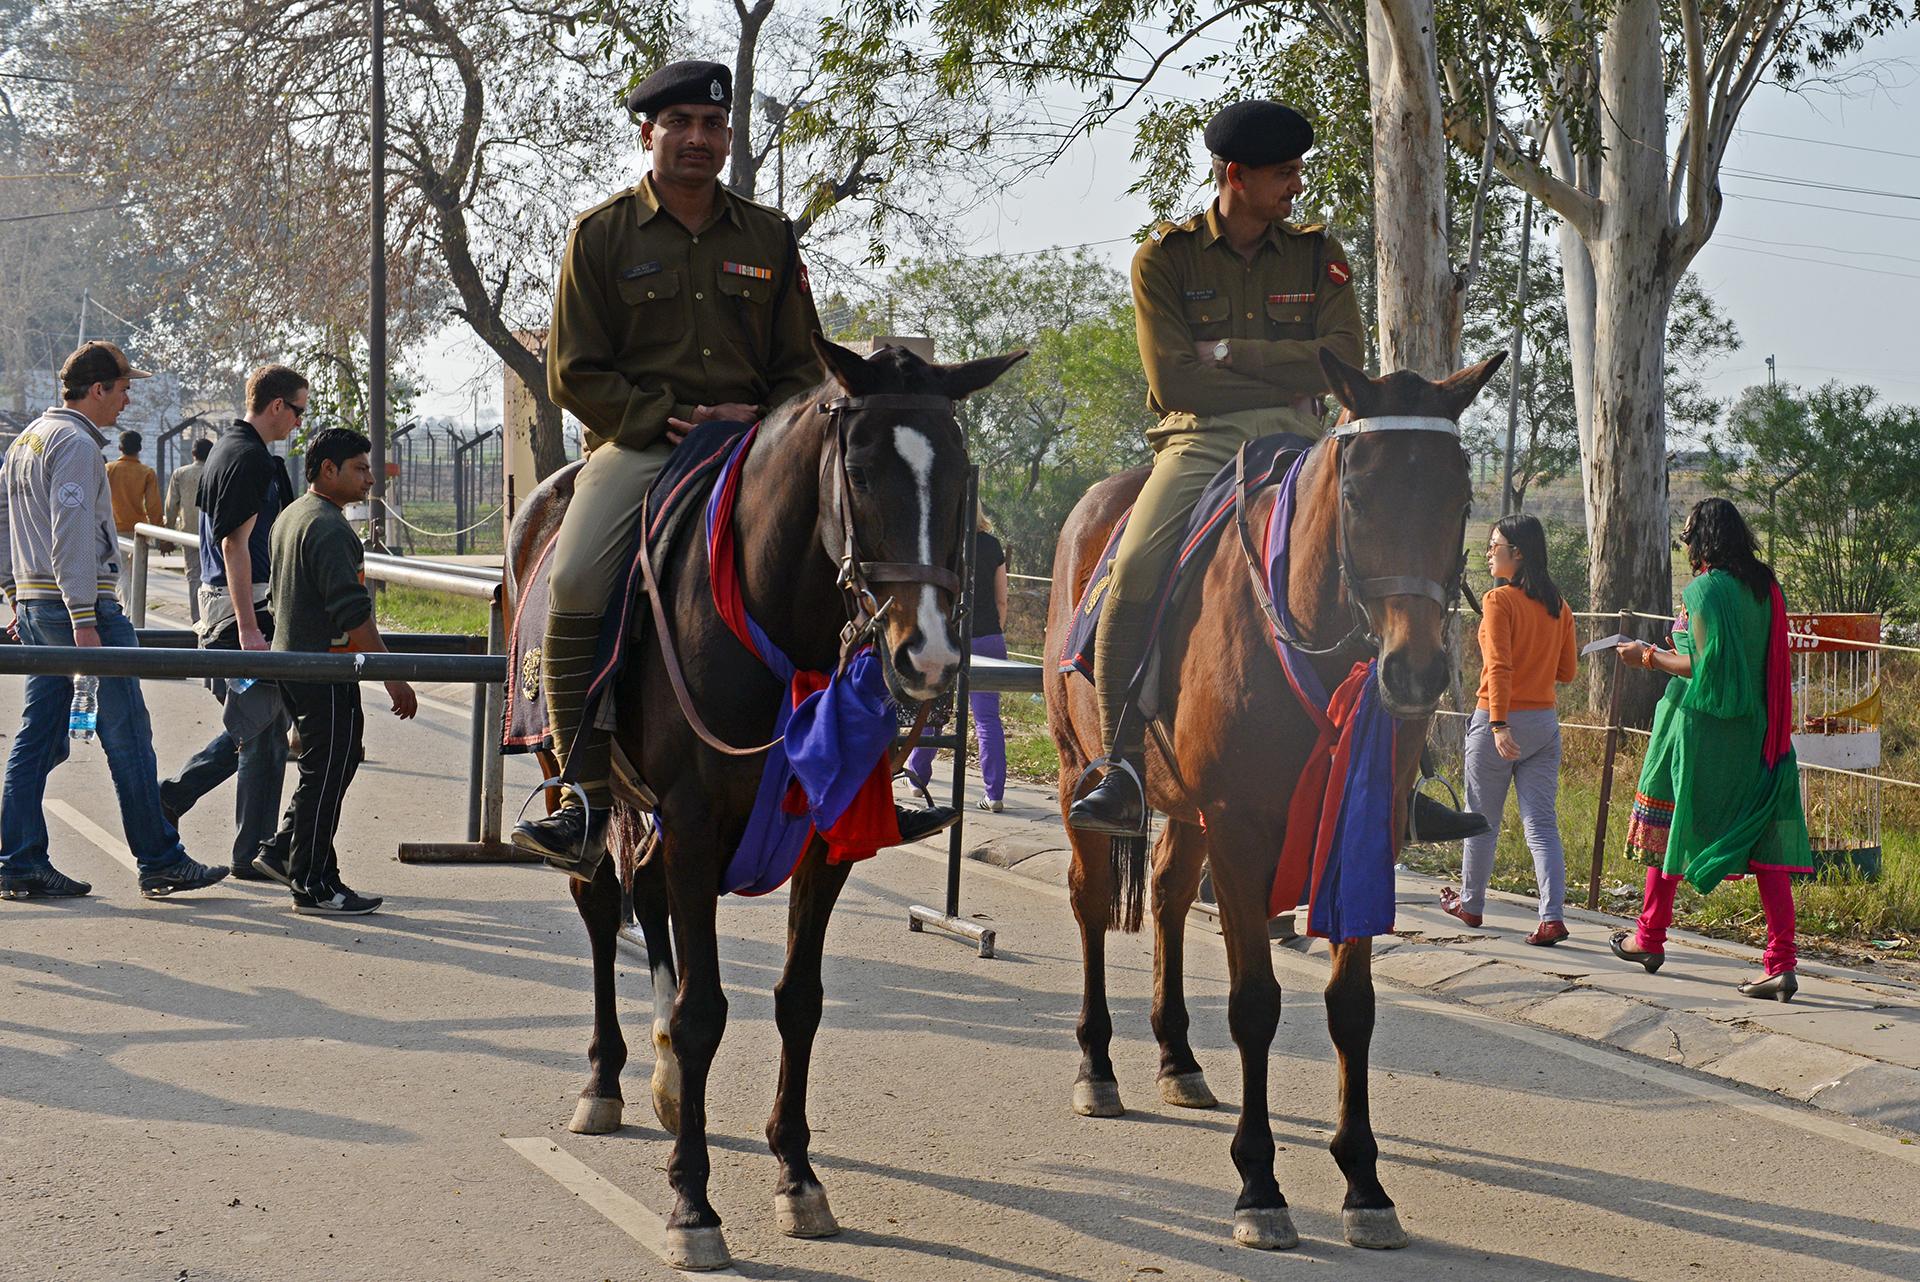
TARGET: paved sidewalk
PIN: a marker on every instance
(1849, 1042)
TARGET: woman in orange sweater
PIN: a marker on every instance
(1526, 647)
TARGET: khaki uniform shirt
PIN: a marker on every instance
(1277, 312)
(651, 319)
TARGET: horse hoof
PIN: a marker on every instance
(1097, 1099)
(1187, 1090)
(697, 1250)
(804, 1214)
(1376, 1228)
(666, 1082)
(1265, 1228)
(595, 1115)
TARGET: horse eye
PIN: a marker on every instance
(857, 477)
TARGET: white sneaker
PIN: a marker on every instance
(992, 805)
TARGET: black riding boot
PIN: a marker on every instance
(1429, 821)
(565, 839)
(1115, 804)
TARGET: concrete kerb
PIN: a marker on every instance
(1735, 1048)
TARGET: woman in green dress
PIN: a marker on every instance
(1719, 794)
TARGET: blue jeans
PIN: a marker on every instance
(125, 734)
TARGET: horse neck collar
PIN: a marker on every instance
(1397, 423)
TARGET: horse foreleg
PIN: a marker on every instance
(1242, 860)
(1367, 1216)
(600, 903)
(694, 1240)
(649, 905)
(799, 1203)
(1176, 880)
(1096, 1093)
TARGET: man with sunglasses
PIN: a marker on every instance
(243, 487)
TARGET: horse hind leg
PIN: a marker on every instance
(799, 1202)
(598, 1110)
(1176, 880)
(694, 1239)
(1367, 1217)
(1096, 1092)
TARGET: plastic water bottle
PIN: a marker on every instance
(239, 685)
(84, 719)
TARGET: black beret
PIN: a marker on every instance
(1259, 132)
(708, 84)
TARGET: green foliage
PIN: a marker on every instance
(1827, 478)
(1070, 414)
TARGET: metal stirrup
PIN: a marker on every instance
(1126, 768)
(586, 807)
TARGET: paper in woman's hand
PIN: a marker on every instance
(1613, 642)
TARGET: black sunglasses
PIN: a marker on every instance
(299, 411)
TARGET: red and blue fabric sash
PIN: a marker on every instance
(829, 772)
(1339, 853)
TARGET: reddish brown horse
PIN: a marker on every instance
(860, 482)
(1238, 740)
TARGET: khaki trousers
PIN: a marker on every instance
(589, 558)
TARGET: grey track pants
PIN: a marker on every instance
(1536, 779)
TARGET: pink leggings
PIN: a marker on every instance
(1776, 900)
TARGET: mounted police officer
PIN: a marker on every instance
(1232, 308)
(679, 303)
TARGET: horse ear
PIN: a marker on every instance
(1349, 385)
(969, 377)
(1457, 390)
(844, 366)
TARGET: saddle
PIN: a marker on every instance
(1264, 462)
(674, 503)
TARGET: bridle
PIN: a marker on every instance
(865, 609)
(1358, 591)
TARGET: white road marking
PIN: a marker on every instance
(1808, 1119)
(936, 651)
(93, 832)
(626, 1213)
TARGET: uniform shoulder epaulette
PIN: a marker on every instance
(1162, 230)
(754, 210)
(1305, 229)
(608, 203)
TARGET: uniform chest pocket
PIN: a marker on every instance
(651, 287)
(1290, 315)
(1207, 317)
(747, 289)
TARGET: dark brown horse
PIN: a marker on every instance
(886, 471)
(1238, 742)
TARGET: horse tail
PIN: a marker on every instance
(1127, 904)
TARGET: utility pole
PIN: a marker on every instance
(1513, 362)
(377, 283)
(86, 296)
(1771, 387)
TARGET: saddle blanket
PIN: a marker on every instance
(1267, 458)
(676, 495)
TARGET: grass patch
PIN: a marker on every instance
(403, 609)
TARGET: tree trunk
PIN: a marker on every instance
(1417, 289)
(1634, 282)
(1577, 284)
(743, 175)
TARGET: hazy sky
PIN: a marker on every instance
(1821, 279)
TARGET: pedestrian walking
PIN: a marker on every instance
(243, 488)
(135, 487)
(183, 513)
(324, 606)
(989, 641)
(60, 568)
(1719, 793)
(1526, 648)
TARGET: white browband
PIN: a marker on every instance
(1397, 423)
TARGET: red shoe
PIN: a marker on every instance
(1451, 905)
(1548, 933)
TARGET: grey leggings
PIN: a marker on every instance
(1536, 779)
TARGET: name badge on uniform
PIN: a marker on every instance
(747, 270)
(1290, 298)
(1202, 295)
(644, 269)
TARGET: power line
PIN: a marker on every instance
(64, 213)
(1831, 249)
(1829, 209)
(1803, 182)
(1821, 262)
(1822, 142)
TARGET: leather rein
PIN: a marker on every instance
(1358, 591)
(855, 581)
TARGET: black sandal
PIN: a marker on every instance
(1651, 961)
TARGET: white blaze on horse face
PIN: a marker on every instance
(935, 655)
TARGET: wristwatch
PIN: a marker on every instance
(1220, 352)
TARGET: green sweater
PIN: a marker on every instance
(317, 593)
